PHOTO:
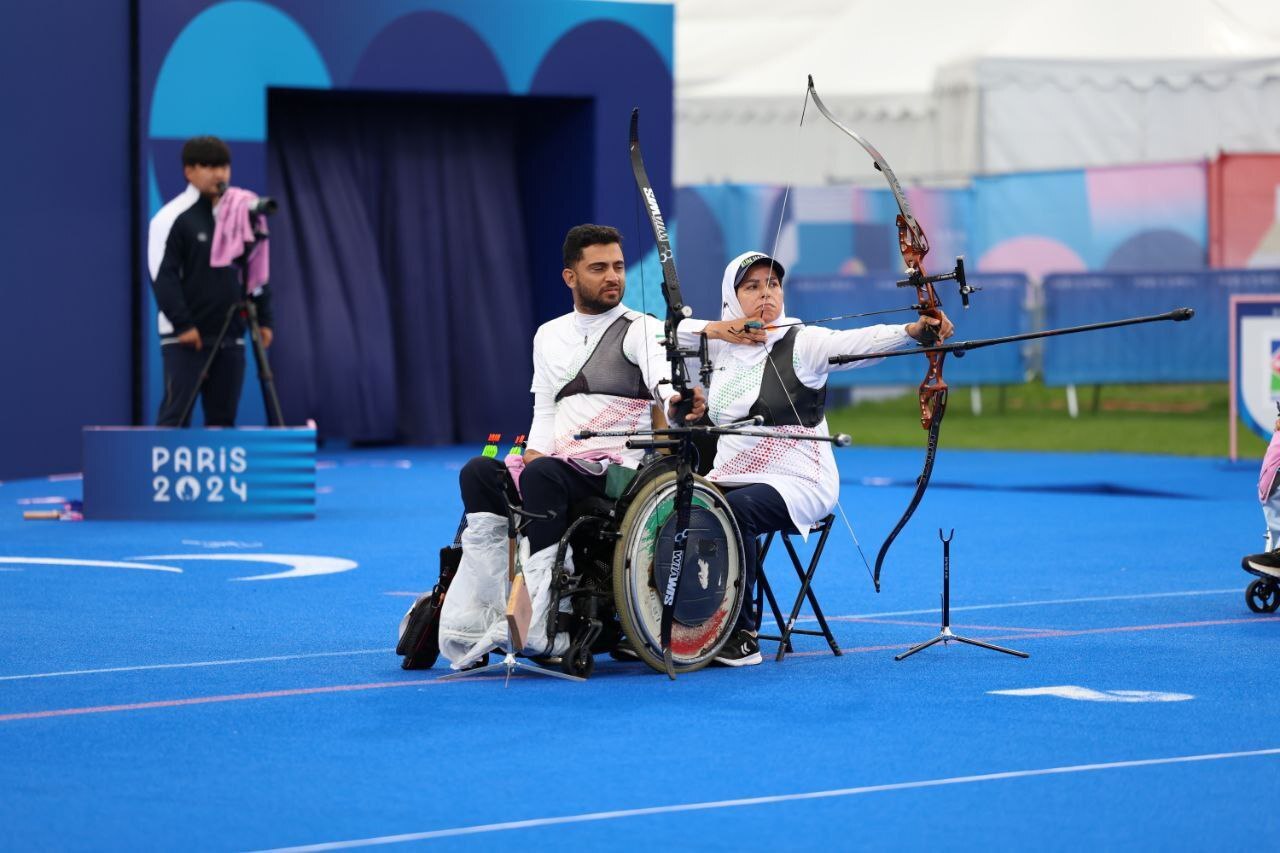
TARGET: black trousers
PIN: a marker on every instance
(220, 395)
(759, 510)
(551, 485)
(548, 485)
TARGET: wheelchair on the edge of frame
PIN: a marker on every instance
(611, 601)
(1262, 594)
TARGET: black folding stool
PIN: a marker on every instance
(764, 591)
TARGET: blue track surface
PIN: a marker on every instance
(281, 716)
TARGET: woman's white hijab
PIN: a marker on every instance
(731, 309)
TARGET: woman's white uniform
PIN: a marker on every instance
(803, 472)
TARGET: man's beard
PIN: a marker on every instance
(596, 305)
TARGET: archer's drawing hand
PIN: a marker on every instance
(930, 330)
(745, 332)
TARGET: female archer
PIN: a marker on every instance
(769, 365)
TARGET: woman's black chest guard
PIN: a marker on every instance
(780, 388)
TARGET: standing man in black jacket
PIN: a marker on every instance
(194, 297)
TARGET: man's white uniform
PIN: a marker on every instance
(472, 621)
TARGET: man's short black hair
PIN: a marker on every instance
(581, 236)
(205, 151)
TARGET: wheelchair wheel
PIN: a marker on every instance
(1262, 596)
(711, 587)
(579, 661)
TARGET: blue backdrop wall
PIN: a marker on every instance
(74, 296)
(611, 56)
(65, 355)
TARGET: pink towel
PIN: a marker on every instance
(515, 464)
(1270, 465)
(234, 230)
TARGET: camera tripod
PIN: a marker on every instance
(246, 306)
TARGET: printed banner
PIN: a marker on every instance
(153, 473)
(1255, 364)
(1244, 203)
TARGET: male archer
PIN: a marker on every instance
(598, 367)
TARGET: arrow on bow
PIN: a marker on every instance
(757, 325)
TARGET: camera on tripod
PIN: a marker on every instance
(264, 205)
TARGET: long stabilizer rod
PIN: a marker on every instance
(1177, 316)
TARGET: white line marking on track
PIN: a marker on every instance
(757, 801)
(954, 609)
(300, 565)
(104, 564)
(230, 662)
(1088, 694)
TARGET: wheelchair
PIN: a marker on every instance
(1263, 594)
(610, 567)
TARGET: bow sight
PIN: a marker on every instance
(916, 279)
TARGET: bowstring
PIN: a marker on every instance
(768, 355)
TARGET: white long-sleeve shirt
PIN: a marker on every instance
(560, 348)
(803, 472)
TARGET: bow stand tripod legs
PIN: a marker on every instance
(946, 636)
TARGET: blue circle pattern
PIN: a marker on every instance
(217, 70)
(216, 73)
(215, 76)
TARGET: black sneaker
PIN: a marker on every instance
(1268, 563)
(743, 649)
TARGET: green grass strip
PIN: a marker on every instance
(1181, 420)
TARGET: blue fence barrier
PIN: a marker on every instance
(1194, 351)
(998, 309)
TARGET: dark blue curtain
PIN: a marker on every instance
(399, 268)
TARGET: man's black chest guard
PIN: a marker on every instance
(607, 370)
(781, 388)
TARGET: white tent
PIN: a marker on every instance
(948, 89)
